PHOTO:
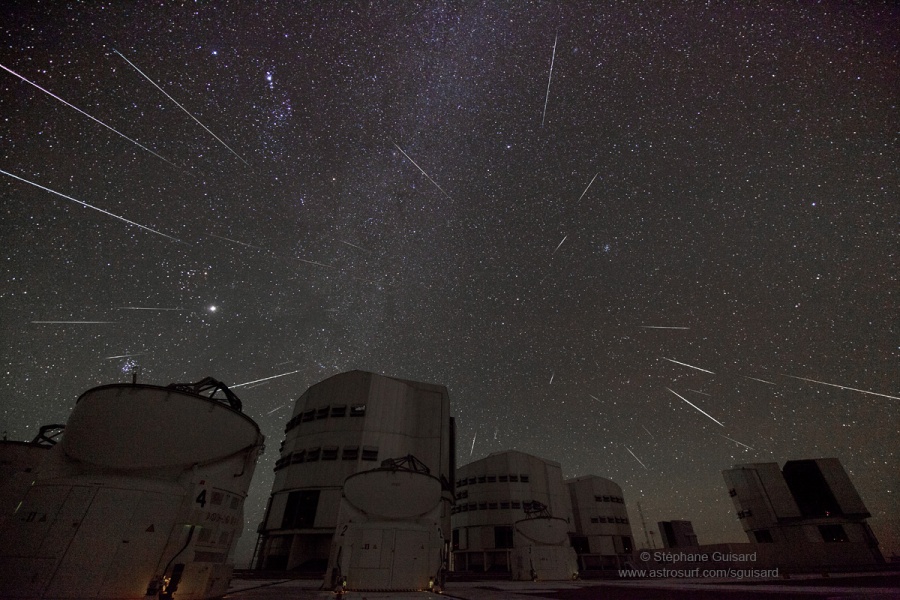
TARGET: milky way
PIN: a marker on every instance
(724, 177)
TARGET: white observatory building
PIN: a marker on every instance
(513, 515)
(343, 426)
(602, 532)
(142, 497)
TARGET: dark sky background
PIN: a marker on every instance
(726, 170)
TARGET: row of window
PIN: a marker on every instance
(609, 499)
(323, 412)
(318, 453)
(511, 505)
(492, 479)
(622, 520)
(745, 513)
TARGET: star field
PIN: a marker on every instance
(370, 186)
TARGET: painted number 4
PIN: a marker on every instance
(201, 499)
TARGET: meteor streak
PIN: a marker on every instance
(549, 79)
(844, 387)
(312, 262)
(353, 245)
(473, 443)
(736, 442)
(423, 172)
(696, 407)
(181, 107)
(74, 322)
(551, 377)
(588, 187)
(105, 212)
(595, 398)
(560, 244)
(263, 379)
(635, 457)
(124, 356)
(219, 237)
(658, 327)
(274, 409)
(760, 380)
(148, 308)
(96, 120)
(686, 365)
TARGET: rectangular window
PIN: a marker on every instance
(595, 519)
(833, 533)
(460, 482)
(330, 453)
(598, 498)
(627, 546)
(732, 492)
(370, 453)
(516, 504)
(455, 539)
(471, 480)
(322, 413)
(358, 410)
(504, 506)
(472, 506)
(300, 512)
(605, 498)
(504, 478)
(482, 479)
(217, 497)
(492, 479)
(312, 455)
(492, 505)
(763, 536)
(350, 453)
(482, 506)
(298, 457)
(513, 477)
(339, 410)
(309, 415)
(601, 519)
(523, 478)
(235, 502)
(503, 536)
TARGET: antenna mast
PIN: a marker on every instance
(644, 525)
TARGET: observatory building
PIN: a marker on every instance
(19, 463)
(143, 496)
(513, 514)
(809, 511)
(602, 533)
(677, 534)
(345, 425)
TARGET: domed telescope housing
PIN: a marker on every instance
(389, 535)
(541, 548)
(142, 498)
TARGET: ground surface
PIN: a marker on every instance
(874, 586)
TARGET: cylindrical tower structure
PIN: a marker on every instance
(143, 497)
(340, 426)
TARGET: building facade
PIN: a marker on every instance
(343, 425)
(602, 532)
(493, 495)
(677, 534)
(809, 508)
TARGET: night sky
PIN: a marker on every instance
(545, 207)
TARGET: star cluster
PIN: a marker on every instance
(412, 189)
